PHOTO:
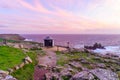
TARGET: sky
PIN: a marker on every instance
(60, 16)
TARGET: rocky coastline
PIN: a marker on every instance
(69, 63)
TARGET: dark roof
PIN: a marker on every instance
(48, 38)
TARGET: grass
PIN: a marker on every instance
(65, 58)
(26, 73)
(9, 57)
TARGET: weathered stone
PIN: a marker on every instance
(10, 70)
(16, 67)
(96, 74)
(4, 76)
(42, 66)
(22, 64)
(84, 75)
(112, 55)
(4, 72)
(10, 78)
(97, 58)
(48, 76)
(57, 69)
(101, 65)
(52, 76)
(93, 66)
(84, 61)
(28, 59)
(103, 74)
(76, 65)
(118, 63)
(66, 71)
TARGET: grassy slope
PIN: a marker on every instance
(26, 73)
(9, 57)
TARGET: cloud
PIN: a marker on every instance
(60, 16)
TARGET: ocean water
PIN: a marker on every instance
(111, 42)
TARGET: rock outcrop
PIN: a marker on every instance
(95, 46)
(4, 76)
(96, 74)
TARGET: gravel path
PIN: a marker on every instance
(49, 60)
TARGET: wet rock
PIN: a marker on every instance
(95, 46)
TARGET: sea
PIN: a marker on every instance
(111, 42)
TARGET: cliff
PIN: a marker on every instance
(12, 37)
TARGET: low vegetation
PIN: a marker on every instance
(66, 58)
(91, 59)
(10, 57)
(26, 73)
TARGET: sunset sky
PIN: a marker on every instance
(60, 16)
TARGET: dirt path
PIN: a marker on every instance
(49, 60)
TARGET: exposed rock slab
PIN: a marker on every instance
(104, 74)
(100, 74)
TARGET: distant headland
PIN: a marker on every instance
(12, 37)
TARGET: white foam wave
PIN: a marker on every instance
(28, 40)
(109, 49)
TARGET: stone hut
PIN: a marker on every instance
(48, 42)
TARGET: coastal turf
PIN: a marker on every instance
(26, 73)
(10, 57)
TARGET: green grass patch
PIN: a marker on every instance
(9, 57)
(26, 73)
(65, 58)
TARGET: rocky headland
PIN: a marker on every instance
(16, 37)
(63, 64)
